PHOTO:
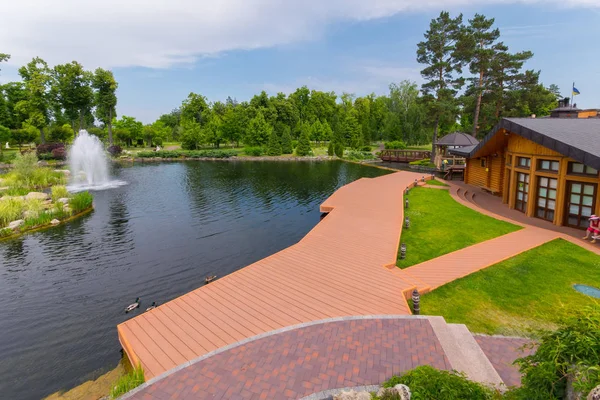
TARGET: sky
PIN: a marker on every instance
(161, 50)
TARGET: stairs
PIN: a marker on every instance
(464, 353)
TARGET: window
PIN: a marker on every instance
(522, 192)
(546, 199)
(580, 203)
(548, 165)
(523, 162)
(483, 162)
(580, 169)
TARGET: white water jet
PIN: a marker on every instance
(89, 164)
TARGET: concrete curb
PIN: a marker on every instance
(328, 394)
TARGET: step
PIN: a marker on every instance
(463, 352)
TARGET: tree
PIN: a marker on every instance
(72, 89)
(61, 133)
(10, 95)
(286, 141)
(34, 108)
(352, 130)
(274, 146)
(130, 130)
(555, 90)
(4, 57)
(259, 131)
(330, 149)
(24, 135)
(442, 59)
(317, 131)
(303, 148)
(192, 135)
(105, 99)
(327, 132)
(233, 124)
(195, 109)
(214, 130)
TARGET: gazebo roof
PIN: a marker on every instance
(457, 139)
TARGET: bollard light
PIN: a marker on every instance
(423, 178)
(406, 203)
(416, 298)
(407, 222)
(403, 251)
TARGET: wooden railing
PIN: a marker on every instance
(404, 155)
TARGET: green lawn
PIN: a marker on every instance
(521, 295)
(434, 182)
(426, 147)
(439, 225)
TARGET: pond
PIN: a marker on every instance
(63, 290)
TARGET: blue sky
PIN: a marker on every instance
(238, 51)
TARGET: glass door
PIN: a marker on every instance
(546, 198)
(522, 192)
(581, 199)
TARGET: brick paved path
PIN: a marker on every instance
(502, 352)
(303, 361)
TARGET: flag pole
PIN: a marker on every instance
(572, 93)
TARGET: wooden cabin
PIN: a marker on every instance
(544, 167)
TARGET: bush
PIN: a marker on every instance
(303, 148)
(570, 352)
(59, 153)
(128, 382)
(395, 145)
(47, 148)
(360, 155)
(255, 151)
(428, 383)
(330, 150)
(59, 192)
(25, 164)
(80, 201)
(366, 148)
(114, 150)
(10, 210)
(187, 154)
(339, 150)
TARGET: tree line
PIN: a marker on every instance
(471, 81)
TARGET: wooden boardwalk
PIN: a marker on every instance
(337, 269)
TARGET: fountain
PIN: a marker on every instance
(89, 164)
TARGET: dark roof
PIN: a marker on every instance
(457, 139)
(463, 151)
(578, 138)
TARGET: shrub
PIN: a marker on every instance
(114, 150)
(187, 153)
(339, 150)
(25, 164)
(80, 201)
(286, 141)
(274, 146)
(330, 150)
(572, 352)
(59, 153)
(360, 155)
(128, 382)
(395, 145)
(294, 144)
(255, 151)
(59, 192)
(303, 148)
(366, 148)
(10, 210)
(47, 148)
(428, 383)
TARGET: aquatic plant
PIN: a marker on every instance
(80, 201)
(128, 382)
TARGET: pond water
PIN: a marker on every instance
(588, 290)
(63, 290)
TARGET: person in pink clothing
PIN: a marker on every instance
(593, 229)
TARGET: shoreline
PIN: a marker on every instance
(36, 228)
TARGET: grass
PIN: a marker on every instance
(80, 201)
(10, 210)
(434, 182)
(439, 225)
(59, 192)
(128, 382)
(425, 147)
(521, 295)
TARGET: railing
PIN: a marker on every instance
(404, 155)
(452, 160)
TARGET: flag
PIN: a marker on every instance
(575, 91)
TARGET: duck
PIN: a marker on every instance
(210, 278)
(133, 306)
(152, 306)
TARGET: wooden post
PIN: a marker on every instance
(416, 298)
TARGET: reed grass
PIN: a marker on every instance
(128, 382)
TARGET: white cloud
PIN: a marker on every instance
(163, 33)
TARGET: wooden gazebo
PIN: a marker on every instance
(451, 141)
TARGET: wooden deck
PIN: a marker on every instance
(337, 269)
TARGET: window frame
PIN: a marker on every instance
(584, 173)
(528, 162)
(540, 168)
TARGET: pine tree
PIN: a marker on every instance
(442, 59)
(339, 149)
(303, 148)
(274, 147)
(330, 150)
(259, 131)
(286, 141)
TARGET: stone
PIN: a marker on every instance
(3, 188)
(42, 163)
(64, 171)
(15, 224)
(67, 209)
(29, 214)
(37, 195)
(403, 391)
(594, 394)
(352, 395)
(55, 222)
(63, 200)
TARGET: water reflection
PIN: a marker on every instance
(63, 290)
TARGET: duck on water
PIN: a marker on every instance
(133, 306)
